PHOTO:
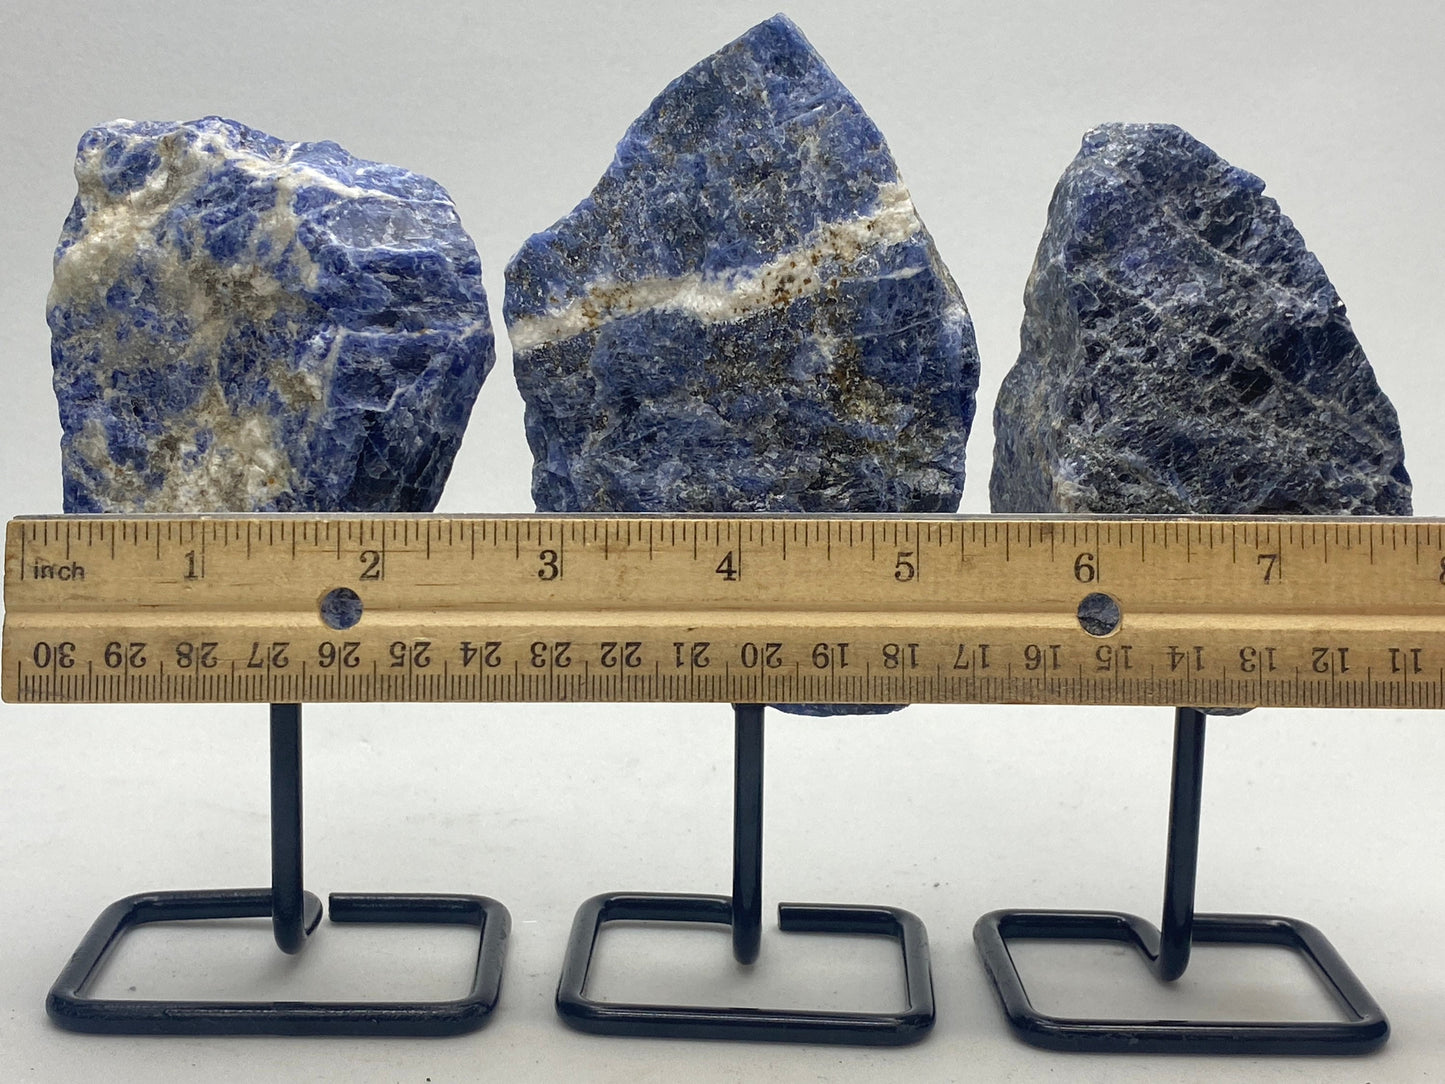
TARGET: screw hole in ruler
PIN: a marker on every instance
(1099, 614)
(341, 608)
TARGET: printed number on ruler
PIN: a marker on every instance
(1234, 612)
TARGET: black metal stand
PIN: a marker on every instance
(742, 911)
(294, 914)
(1166, 950)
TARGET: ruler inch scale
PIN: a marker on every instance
(1212, 611)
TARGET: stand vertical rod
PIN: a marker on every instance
(288, 922)
(1176, 928)
(747, 831)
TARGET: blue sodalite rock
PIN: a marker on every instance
(746, 314)
(244, 324)
(1182, 351)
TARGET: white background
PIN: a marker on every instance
(1335, 818)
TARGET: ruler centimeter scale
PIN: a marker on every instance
(1233, 612)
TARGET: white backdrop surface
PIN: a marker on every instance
(1336, 818)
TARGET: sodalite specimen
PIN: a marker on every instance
(746, 314)
(1182, 351)
(244, 324)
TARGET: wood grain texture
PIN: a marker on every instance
(1346, 612)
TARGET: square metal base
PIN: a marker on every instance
(72, 1009)
(724, 1022)
(1365, 1032)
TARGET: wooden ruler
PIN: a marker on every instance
(1343, 612)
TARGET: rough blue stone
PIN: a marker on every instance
(746, 314)
(1182, 351)
(244, 324)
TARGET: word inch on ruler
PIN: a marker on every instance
(1236, 612)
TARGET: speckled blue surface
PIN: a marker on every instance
(241, 323)
(844, 381)
(1183, 351)
(746, 314)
